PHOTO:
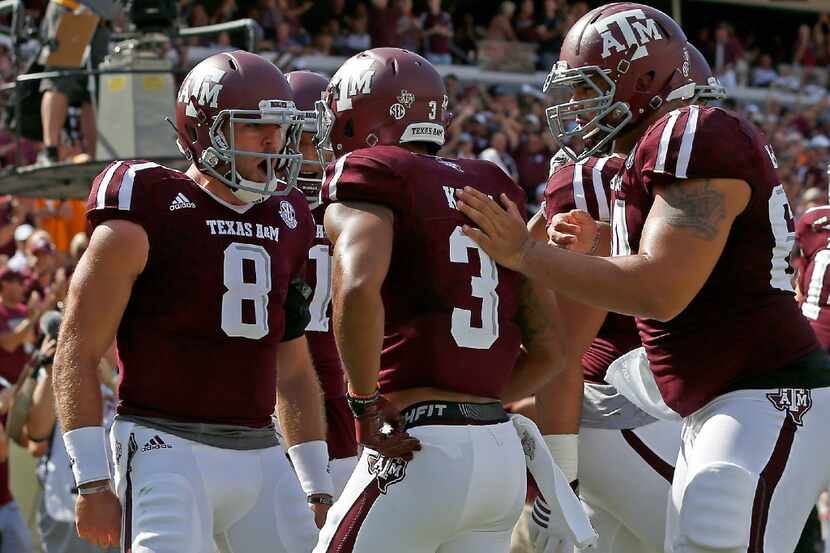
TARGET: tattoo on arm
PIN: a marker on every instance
(531, 316)
(697, 208)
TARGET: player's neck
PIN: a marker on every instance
(213, 185)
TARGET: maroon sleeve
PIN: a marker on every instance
(115, 194)
(694, 143)
(584, 185)
(559, 193)
(359, 177)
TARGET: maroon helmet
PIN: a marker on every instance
(708, 86)
(611, 51)
(308, 88)
(383, 96)
(238, 88)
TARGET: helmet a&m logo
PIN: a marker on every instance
(204, 87)
(355, 77)
(634, 27)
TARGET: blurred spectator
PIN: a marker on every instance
(501, 26)
(383, 24)
(20, 260)
(533, 162)
(77, 247)
(59, 93)
(498, 154)
(550, 34)
(525, 24)
(357, 39)
(805, 48)
(468, 35)
(227, 12)
(61, 219)
(284, 41)
(764, 74)
(813, 197)
(408, 27)
(269, 18)
(438, 32)
(723, 55)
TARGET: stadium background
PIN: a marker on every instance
(773, 61)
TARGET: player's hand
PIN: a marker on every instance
(368, 429)
(545, 535)
(502, 232)
(320, 512)
(98, 518)
(576, 231)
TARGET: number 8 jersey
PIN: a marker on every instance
(449, 308)
(199, 336)
(744, 323)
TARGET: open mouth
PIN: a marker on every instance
(262, 169)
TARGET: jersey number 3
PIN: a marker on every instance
(484, 287)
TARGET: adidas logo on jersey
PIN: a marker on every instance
(180, 202)
(156, 443)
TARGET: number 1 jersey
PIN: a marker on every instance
(450, 310)
(199, 337)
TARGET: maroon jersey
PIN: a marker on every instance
(813, 236)
(449, 308)
(744, 322)
(586, 185)
(339, 420)
(199, 337)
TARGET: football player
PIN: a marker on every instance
(429, 328)
(644, 449)
(701, 231)
(308, 88)
(198, 277)
(813, 238)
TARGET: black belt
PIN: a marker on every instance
(453, 413)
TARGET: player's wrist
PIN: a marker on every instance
(361, 403)
(311, 463)
(564, 448)
(86, 448)
(320, 499)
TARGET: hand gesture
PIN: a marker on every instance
(368, 428)
(576, 231)
(502, 232)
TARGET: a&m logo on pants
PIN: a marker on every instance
(795, 401)
(387, 470)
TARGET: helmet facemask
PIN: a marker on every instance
(282, 168)
(566, 116)
(310, 179)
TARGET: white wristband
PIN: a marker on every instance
(564, 448)
(87, 452)
(311, 463)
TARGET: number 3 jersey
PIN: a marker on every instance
(813, 236)
(199, 337)
(743, 326)
(449, 309)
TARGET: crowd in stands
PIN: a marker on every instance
(41, 240)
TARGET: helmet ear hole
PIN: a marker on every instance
(644, 81)
(348, 128)
(191, 133)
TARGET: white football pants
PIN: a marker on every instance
(180, 496)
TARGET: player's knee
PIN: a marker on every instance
(166, 517)
(716, 512)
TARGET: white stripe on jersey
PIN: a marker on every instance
(665, 138)
(599, 189)
(101, 198)
(579, 190)
(687, 143)
(338, 170)
(125, 193)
